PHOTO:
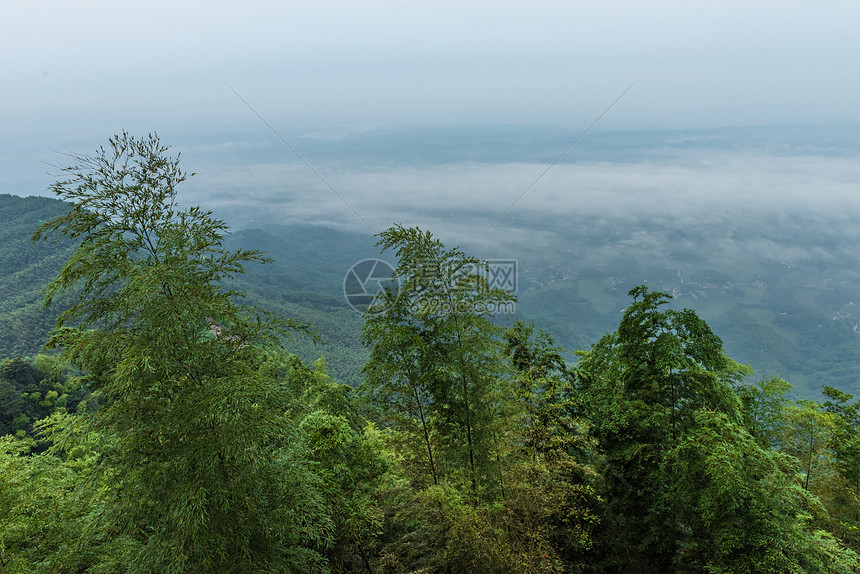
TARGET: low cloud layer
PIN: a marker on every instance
(460, 201)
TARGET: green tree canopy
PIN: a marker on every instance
(436, 358)
(207, 471)
(642, 386)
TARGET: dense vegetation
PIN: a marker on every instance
(173, 432)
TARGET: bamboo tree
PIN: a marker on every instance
(205, 471)
(809, 434)
(396, 378)
(435, 355)
(764, 405)
(743, 508)
(642, 386)
(552, 505)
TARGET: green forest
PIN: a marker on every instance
(167, 425)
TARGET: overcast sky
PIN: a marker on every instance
(71, 67)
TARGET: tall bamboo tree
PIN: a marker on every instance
(437, 355)
(206, 474)
(642, 386)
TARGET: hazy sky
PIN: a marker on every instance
(97, 66)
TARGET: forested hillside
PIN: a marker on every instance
(175, 430)
(779, 288)
(25, 269)
(785, 315)
(304, 282)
